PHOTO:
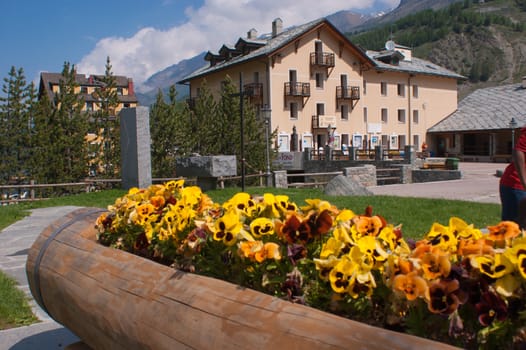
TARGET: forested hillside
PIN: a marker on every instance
(486, 42)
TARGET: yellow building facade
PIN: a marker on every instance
(325, 89)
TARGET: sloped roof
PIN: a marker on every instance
(47, 79)
(487, 109)
(415, 65)
(271, 45)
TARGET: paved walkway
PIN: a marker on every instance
(478, 184)
(15, 242)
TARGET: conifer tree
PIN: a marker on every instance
(198, 128)
(69, 126)
(107, 124)
(15, 126)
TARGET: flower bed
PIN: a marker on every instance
(456, 285)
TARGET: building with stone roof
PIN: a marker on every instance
(87, 85)
(317, 83)
(482, 127)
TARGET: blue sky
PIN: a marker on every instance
(141, 37)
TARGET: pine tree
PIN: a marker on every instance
(16, 126)
(198, 128)
(227, 129)
(68, 126)
(107, 124)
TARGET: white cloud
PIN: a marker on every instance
(207, 28)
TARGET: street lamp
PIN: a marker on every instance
(266, 113)
(513, 125)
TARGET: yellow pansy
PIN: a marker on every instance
(331, 247)
(261, 226)
(227, 228)
(341, 276)
(494, 266)
(441, 236)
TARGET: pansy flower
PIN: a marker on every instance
(517, 255)
(366, 226)
(324, 266)
(261, 227)
(491, 307)
(295, 230)
(461, 229)
(442, 297)
(441, 236)
(331, 247)
(341, 276)
(503, 231)
(412, 285)
(494, 266)
(227, 228)
(435, 264)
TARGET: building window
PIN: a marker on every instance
(83, 89)
(319, 80)
(345, 111)
(384, 115)
(365, 114)
(320, 109)
(401, 115)
(119, 91)
(400, 88)
(401, 141)
(416, 117)
(293, 110)
(89, 106)
(364, 87)
(415, 91)
(345, 140)
(383, 88)
(416, 140)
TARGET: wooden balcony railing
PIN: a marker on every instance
(322, 59)
(348, 92)
(297, 89)
(253, 90)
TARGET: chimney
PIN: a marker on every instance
(277, 27)
(252, 34)
(130, 87)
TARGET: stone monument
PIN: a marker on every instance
(135, 147)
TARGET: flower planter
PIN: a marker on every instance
(115, 300)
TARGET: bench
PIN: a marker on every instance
(435, 163)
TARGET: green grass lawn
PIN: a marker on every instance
(415, 214)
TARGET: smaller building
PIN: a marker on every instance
(87, 85)
(482, 127)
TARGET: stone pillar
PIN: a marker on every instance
(352, 153)
(409, 154)
(280, 179)
(378, 153)
(136, 167)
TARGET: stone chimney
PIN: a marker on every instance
(277, 27)
(252, 34)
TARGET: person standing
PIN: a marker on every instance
(512, 185)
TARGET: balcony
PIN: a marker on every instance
(253, 90)
(293, 89)
(348, 93)
(322, 59)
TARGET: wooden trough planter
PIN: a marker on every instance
(115, 300)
